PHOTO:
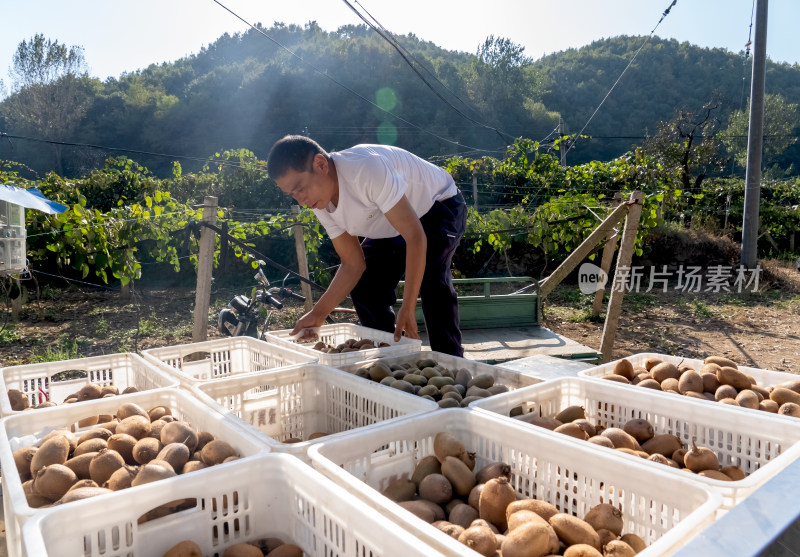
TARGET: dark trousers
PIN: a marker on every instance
(375, 293)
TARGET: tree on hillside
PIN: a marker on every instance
(781, 120)
(49, 91)
(688, 144)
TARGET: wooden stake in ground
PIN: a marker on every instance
(623, 265)
(605, 263)
(205, 267)
(302, 261)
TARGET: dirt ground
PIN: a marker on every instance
(760, 329)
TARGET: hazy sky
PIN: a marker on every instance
(127, 35)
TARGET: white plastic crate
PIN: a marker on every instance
(199, 362)
(267, 496)
(297, 401)
(27, 428)
(760, 445)
(502, 376)
(120, 370)
(764, 377)
(663, 508)
(336, 334)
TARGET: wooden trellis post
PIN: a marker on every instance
(623, 265)
(605, 262)
(205, 267)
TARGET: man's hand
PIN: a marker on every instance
(406, 321)
(310, 322)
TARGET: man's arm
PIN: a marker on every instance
(403, 218)
(347, 276)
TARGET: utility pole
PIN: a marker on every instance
(563, 145)
(755, 140)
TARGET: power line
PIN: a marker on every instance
(664, 15)
(337, 82)
(386, 35)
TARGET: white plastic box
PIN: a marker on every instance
(297, 401)
(664, 509)
(28, 428)
(336, 334)
(120, 370)
(267, 496)
(200, 362)
(502, 376)
(760, 445)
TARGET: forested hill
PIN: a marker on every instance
(350, 86)
(666, 76)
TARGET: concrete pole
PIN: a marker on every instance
(755, 140)
(474, 190)
(302, 261)
(205, 267)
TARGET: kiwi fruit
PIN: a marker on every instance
(715, 475)
(158, 412)
(459, 475)
(618, 548)
(193, 465)
(725, 391)
(782, 395)
(517, 519)
(720, 361)
(475, 496)
(427, 465)
(496, 495)
(153, 471)
(146, 449)
(634, 541)
(420, 510)
(53, 481)
(186, 548)
(462, 515)
(22, 460)
(605, 516)
(616, 378)
(80, 464)
(54, 450)
(436, 488)
(542, 508)
(135, 426)
(530, 539)
(787, 409)
(83, 483)
(710, 382)
(400, 490)
(446, 444)
(769, 405)
(620, 438)
(177, 454)
(733, 377)
(479, 539)
(650, 384)
(105, 463)
(216, 452)
(639, 429)
(664, 444)
(572, 430)
(624, 368)
(179, 432)
(90, 391)
(287, 549)
(82, 493)
(734, 472)
(243, 550)
(570, 414)
(582, 550)
(541, 421)
(605, 537)
(95, 433)
(493, 470)
(748, 399)
(602, 441)
(128, 409)
(665, 370)
(698, 459)
(121, 478)
(123, 444)
(18, 400)
(572, 530)
(452, 530)
(690, 381)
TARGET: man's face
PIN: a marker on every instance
(313, 189)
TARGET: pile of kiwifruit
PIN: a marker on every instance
(636, 437)
(718, 380)
(131, 448)
(265, 547)
(350, 345)
(451, 388)
(91, 391)
(481, 510)
(315, 435)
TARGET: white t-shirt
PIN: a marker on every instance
(372, 179)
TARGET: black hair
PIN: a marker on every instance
(293, 152)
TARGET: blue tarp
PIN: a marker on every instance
(30, 198)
